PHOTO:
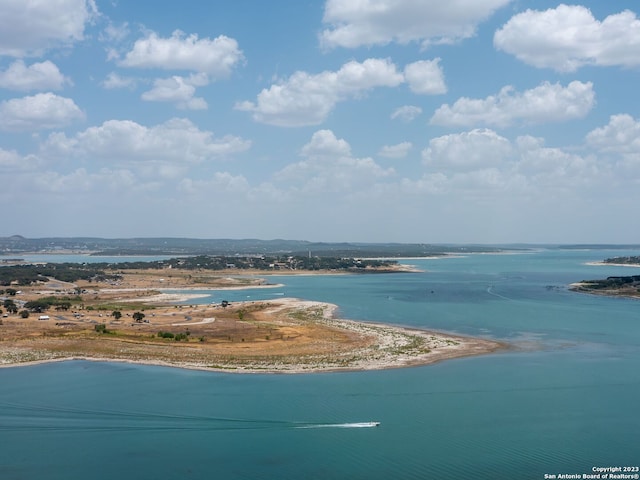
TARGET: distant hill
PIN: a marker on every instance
(193, 246)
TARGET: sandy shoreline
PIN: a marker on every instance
(239, 287)
(605, 264)
(171, 296)
(278, 369)
(166, 298)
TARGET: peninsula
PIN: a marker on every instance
(627, 286)
(134, 315)
(614, 286)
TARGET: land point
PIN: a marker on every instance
(128, 316)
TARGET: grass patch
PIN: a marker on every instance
(307, 314)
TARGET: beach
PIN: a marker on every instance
(607, 264)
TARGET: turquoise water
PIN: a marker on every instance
(563, 400)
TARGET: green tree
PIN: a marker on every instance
(63, 306)
(24, 313)
(116, 314)
(11, 291)
(37, 306)
(138, 316)
(10, 306)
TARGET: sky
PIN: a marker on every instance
(466, 121)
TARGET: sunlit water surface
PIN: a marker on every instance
(563, 400)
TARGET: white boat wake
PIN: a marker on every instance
(344, 425)
(491, 292)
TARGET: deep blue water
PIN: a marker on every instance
(563, 400)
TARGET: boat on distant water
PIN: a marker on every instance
(343, 425)
(360, 425)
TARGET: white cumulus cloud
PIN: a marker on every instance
(307, 99)
(329, 166)
(163, 149)
(28, 28)
(621, 134)
(481, 160)
(114, 81)
(554, 167)
(568, 37)
(37, 76)
(178, 90)
(400, 150)
(115, 33)
(325, 143)
(12, 161)
(353, 24)
(619, 140)
(37, 112)
(406, 113)
(476, 149)
(544, 103)
(425, 77)
(216, 57)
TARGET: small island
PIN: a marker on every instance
(133, 314)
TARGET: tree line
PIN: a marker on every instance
(65, 272)
(633, 260)
(72, 272)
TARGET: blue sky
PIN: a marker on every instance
(468, 121)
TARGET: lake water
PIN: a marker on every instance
(563, 400)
